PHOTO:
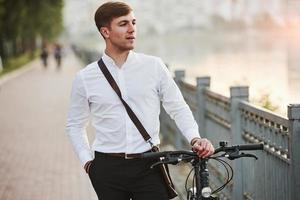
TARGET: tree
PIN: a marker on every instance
(22, 21)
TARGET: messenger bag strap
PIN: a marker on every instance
(163, 168)
(131, 114)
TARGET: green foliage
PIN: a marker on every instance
(2, 11)
(22, 21)
(52, 22)
(266, 102)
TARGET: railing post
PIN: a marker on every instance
(236, 95)
(202, 84)
(179, 76)
(294, 148)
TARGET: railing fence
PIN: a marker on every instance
(233, 119)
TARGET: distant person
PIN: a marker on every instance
(44, 55)
(58, 54)
(114, 162)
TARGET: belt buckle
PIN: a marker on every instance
(128, 157)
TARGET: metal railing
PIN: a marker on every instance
(275, 175)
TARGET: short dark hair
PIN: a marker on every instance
(110, 10)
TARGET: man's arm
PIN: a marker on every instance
(78, 116)
(176, 107)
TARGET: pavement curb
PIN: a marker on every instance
(27, 67)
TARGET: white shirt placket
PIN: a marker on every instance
(128, 122)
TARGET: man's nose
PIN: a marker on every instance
(131, 28)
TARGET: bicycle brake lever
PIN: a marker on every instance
(249, 155)
(172, 161)
(155, 164)
(232, 157)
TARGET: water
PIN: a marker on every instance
(267, 62)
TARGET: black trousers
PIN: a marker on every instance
(116, 178)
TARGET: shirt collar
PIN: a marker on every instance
(109, 61)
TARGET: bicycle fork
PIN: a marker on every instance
(203, 190)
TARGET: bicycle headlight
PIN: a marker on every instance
(206, 192)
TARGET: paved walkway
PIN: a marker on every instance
(36, 159)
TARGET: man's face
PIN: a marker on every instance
(121, 33)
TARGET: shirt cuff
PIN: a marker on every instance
(191, 134)
(85, 156)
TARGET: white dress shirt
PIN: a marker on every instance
(144, 81)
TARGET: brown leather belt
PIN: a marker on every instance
(123, 155)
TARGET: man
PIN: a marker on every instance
(144, 81)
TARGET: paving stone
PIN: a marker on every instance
(36, 158)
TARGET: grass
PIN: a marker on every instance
(17, 62)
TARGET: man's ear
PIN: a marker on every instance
(104, 32)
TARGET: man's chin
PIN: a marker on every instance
(126, 48)
(131, 47)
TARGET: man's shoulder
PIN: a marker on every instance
(151, 61)
(89, 68)
(146, 57)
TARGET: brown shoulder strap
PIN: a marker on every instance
(164, 168)
(131, 114)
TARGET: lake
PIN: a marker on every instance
(267, 62)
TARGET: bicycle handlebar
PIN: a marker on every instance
(243, 147)
(201, 173)
(165, 153)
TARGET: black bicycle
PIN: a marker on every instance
(200, 189)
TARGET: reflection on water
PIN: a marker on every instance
(269, 63)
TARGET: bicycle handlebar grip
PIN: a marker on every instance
(153, 155)
(242, 147)
(246, 147)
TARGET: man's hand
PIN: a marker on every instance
(87, 166)
(202, 147)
